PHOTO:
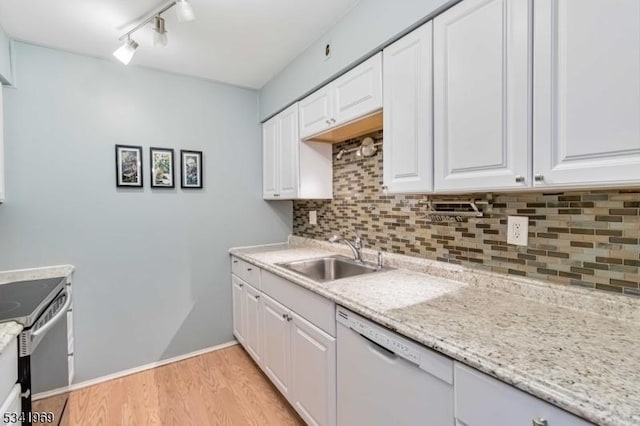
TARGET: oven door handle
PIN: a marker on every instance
(53, 320)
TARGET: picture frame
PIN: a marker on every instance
(129, 166)
(191, 169)
(161, 167)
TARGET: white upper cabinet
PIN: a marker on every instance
(292, 169)
(408, 113)
(482, 100)
(289, 158)
(586, 93)
(315, 112)
(358, 92)
(270, 160)
(351, 96)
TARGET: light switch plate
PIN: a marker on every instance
(518, 230)
(313, 217)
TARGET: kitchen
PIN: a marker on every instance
(414, 213)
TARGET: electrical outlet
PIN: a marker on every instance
(518, 230)
(313, 217)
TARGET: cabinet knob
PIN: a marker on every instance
(540, 422)
(538, 178)
(327, 121)
(240, 285)
(284, 316)
(519, 179)
(289, 317)
(333, 120)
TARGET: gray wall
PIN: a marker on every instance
(153, 277)
(365, 29)
(5, 58)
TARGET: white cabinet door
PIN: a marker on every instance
(313, 364)
(238, 308)
(276, 356)
(482, 100)
(270, 162)
(408, 113)
(289, 158)
(358, 92)
(481, 400)
(315, 112)
(253, 327)
(587, 92)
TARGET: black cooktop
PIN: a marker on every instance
(23, 301)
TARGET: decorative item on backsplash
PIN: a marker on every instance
(584, 238)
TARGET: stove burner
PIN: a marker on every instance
(6, 307)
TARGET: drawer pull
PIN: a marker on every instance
(540, 422)
(249, 269)
(538, 178)
(235, 261)
(519, 179)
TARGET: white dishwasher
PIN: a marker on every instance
(385, 379)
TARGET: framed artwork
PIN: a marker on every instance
(128, 166)
(161, 161)
(191, 169)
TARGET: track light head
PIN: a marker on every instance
(125, 52)
(184, 11)
(159, 32)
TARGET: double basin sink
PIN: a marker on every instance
(330, 268)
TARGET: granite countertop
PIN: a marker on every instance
(10, 330)
(571, 347)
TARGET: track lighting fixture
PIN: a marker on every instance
(125, 52)
(159, 33)
(185, 14)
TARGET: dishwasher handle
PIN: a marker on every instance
(378, 348)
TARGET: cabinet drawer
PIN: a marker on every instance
(316, 309)
(8, 368)
(246, 271)
(481, 400)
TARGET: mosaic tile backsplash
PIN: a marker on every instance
(583, 238)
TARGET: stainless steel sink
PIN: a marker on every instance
(330, 268)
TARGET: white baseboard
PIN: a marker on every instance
(130, 371)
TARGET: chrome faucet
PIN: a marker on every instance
(355, 246)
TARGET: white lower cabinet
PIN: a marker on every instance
(313, 372)
(481, 400)
(277, 343)
(298, 356)
(239, 322)
(253, 324)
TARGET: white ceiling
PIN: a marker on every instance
(241, 42)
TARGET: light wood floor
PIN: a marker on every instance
(218, 388)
